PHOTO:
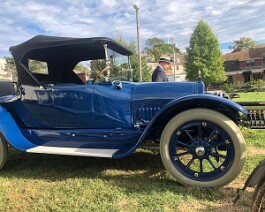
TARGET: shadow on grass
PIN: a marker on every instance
(141, 173)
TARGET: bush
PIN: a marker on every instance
(228, 88)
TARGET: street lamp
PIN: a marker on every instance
(172, 39)
(138, 41)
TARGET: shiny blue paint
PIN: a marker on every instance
(92, 106)
(187, 102)
(11, 131)
(149, 98)
(122, 139)
(101, 115)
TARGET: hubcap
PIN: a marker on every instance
(200, 151)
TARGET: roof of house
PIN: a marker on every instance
(245, 54)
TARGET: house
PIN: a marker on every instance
(246, 65)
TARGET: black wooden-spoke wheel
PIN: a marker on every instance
(3, 152)
(202, 147)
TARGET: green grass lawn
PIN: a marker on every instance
(250, 96)
(34, 182)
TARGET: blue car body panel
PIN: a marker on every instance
(95, 116)
(56, 112)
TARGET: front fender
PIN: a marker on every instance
(216, 103)
(174, 107)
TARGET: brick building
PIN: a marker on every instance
(245, 65)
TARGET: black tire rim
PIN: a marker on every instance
(201, 150)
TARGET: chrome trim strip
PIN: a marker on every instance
(92, 152)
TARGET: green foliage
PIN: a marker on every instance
(96, 66)
(38, 67)
(146, 70)
(11, 68)
(228, 87)
(155, 47)
(152, 42)
(243, 43)
(255, 85)
(204, 55)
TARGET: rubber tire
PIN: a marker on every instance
(3, 152)
(258, 198)
(208, 115)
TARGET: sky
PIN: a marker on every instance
(230, 20)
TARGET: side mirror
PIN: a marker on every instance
(117, 84)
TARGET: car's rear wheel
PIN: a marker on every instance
(258, 199)
(3, 152)
(202, 147)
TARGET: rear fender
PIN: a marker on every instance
(11, 132)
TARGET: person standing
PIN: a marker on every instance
(159, 74)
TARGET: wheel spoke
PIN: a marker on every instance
(218, 143)
(211, 163)
(181, 154)
(182, 144)
(212, 136)
(192, 139)
(190, 162)
(218, 155)
(201, 166)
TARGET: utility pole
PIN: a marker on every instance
(138, 41)
(173, 39)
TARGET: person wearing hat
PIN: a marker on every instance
(159, 74)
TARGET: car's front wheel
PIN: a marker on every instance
(3, 152)
(202, 147)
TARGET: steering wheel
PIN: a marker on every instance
(99, 74)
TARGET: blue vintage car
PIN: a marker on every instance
(53, 111)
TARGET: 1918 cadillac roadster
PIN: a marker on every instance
(54, 112)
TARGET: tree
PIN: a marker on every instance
(204, 56)
(155, 47)
(146, 70)
(243, 43)
(11, 68)
(152, 42)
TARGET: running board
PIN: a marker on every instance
(89, 152)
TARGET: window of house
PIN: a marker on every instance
(247, 76)
(250, 62)
(257, 76)
(229, 79)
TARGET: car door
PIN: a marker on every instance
(92, 106)
(37, 103)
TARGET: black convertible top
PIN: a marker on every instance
(60, 53)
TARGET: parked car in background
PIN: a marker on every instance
(256, 179)
(54, 112)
